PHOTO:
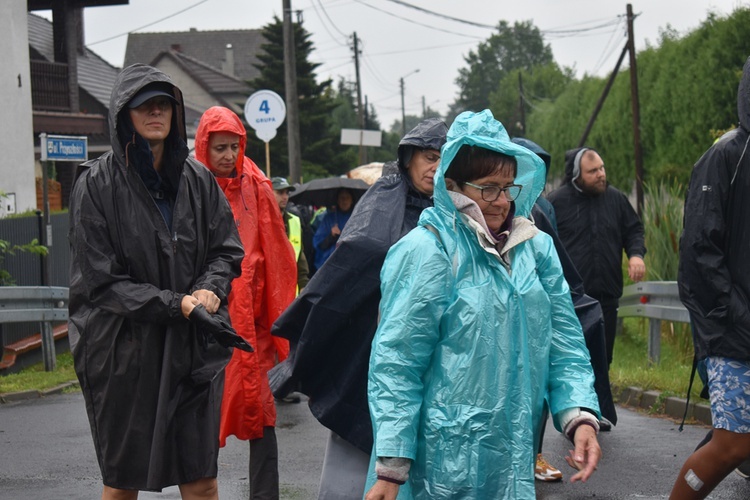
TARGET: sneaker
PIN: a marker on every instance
(744, 470)
(605, 425)
(543, 471)
(291, 398)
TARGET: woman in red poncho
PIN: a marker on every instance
(258, 296)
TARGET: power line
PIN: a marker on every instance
(417, 23)
(335, 39)
(426, 11)
(608, 50)
(330, 20)
(420, 49)
(147, 25)
(555, 31)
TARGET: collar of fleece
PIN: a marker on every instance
(468, 207)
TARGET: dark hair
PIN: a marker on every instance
(473, 162)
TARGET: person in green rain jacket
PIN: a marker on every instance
(477, 328)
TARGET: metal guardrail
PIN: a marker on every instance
(45, 304)
(657, 300)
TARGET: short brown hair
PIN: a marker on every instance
(474, 162)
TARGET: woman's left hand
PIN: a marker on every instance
(586, 456)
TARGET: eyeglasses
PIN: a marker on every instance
(492, 193)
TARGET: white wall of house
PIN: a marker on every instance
(16, 128)
(193, 94)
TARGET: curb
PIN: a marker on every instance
(650, 401)
(672, 407)
(12, 397)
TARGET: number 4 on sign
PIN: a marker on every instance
(265, 117)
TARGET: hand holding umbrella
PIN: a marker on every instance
(218, 328)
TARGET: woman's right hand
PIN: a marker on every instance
(188, 304)
(382, 490)
(335, 231)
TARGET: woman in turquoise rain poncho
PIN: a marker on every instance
(477, 328)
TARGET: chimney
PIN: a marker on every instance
(227, 66)
(176, 47)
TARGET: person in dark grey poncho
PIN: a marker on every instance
(331, 324)
(152, 238)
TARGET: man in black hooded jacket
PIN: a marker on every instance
(596, 223)
(714, 284)
(152, 238)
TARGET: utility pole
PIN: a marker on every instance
(521, 106)
(360, 111)
(403, 108)
(367, 113)
(636, 115)
(600, 102)
(292, 106)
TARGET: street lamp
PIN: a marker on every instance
(403, 109)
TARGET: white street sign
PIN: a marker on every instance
(265, 111)
(355, 137)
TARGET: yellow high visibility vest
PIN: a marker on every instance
(295, 234)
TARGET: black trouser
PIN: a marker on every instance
(264, 466)
(543, 426)
(609, 311)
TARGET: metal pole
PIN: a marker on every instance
(292, 106)
(268, 161)
(521, 104)
(44, 234)
(360, 111)
(48, 347)
(636, 115)
(40, 228)
(403, 109)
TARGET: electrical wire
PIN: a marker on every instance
(147, 25)
(415, 22)
(450, 18)
(330, 20)
(325, 26)
(555, 31)
(607, 51)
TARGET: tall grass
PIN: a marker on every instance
(662, 219)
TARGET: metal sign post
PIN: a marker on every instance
(265, 111)
(54, 148)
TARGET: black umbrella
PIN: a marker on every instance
(218, 328)
(324, 192)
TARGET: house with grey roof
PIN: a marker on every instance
(233, 52)
(202, 86)
(212, 68)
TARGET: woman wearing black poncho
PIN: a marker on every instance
(331, 324)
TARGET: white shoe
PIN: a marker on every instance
(543, 471)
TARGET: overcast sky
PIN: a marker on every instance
(397, 39)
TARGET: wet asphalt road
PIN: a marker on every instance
(46, 452)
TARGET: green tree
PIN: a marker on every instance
(520, 46)
(688, 93)
(540, 85)
(321, 153)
